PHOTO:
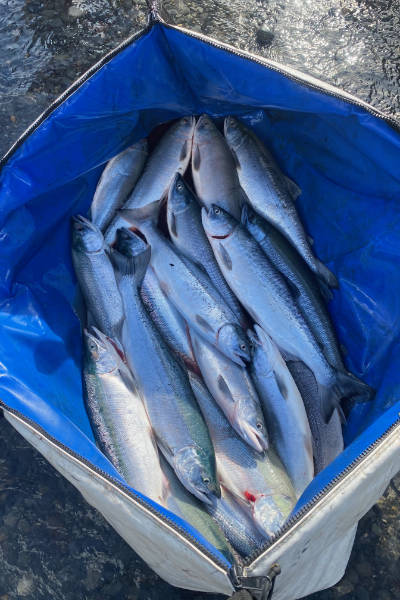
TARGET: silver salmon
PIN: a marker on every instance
(171, 155)
(258, 481)
(179, 427)
(119, 420)
(213, 169)
(191, 290)
(187, 233)
(263, 291)
(270, 192)
(116, 182)
(284, 410)
(233, 390)
(96, 277)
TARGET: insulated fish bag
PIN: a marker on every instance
(344, 154)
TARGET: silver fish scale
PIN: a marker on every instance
(162, 382)
(116, 182)
(188, 236)
(123, 431)
(327, 438)
(263, 292)
(172, 154)
(168, 320)
(239, 467)
(97, 282)
(310, 302)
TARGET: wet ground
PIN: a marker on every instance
(53, 544)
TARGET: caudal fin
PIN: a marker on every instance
(352, 387)
(346, 386)
(142, 214)
(130, 256)
(326, 275)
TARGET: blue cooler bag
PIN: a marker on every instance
(345, 156)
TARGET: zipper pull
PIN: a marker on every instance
(155, 11)
(254, 588)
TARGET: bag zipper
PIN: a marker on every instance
(289, 72)
(236, 572)
(320, 495)
(155, 19)
(118, 484)
(71, 89)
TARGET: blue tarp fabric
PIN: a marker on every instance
(345, 160)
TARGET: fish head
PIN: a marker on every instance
(263, 351)
(86, 236)
(218, 223)
(179, 196)
(234, 132)
(186, 124)
(204, 128)
(182, 134)
(233, 342)
(249, 421)
(129, 243)
(100, 351)
(197, 473)
(271, 511)
(254, 343)
(253, 223)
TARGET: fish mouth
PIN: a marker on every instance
(203, 122)
(211, 215)
(243, 356)
(239, 360)
(228, 122)
(253, 438)
(80, 223)
(203, 497)
(232, 132)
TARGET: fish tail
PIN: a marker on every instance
(329, 399)
(134, 266)
(346, 386)
(352, 387)
(326, 275)
(138, 216)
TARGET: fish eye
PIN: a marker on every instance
(259, 425)
(206, 480)
(243, 347)
(217, 210)
(179, 187)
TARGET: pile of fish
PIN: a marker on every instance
(212, 372)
